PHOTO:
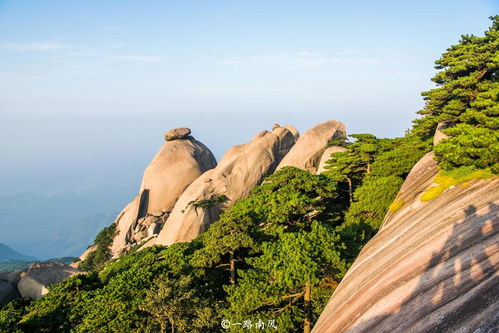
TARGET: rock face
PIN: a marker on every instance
(439, 135)
(432, 267)
(307, 151)
(178, 163)
(8, 283)
(326, 156)
(83, 256)
(173, 168)
(241, 168)
(39, 276)
(293, 131)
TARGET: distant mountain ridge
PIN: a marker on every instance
(7, 253)
(14, 265)
(58, 225)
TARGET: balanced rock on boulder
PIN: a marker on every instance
(177, 133)
(179, 161)
(35, 282)
(241, 168)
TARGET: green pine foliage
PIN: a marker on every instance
(469, 145)
(349, 167)
(273, 287)
(277, 255)
(12, 313)
(97, 259)
(467, 97)
(379, 188)
(295, 232)
(374, 196)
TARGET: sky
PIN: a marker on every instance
(87, 88)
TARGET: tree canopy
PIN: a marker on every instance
(466, 98)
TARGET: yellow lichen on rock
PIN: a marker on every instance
(396, 205)
(446, 179)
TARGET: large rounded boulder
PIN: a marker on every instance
(8, 286)
(241, 168)
(177, 164)
(307, 151)
(35, 282)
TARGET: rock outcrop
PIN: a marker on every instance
(177, 133)
(294, 131)
(178, 163)
(326, 156)
(35, 282)
(241, 168)
(432, 267)
(8, 286)
(83, 256)
(307, 151)
(439, 134)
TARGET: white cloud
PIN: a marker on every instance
(33, 47)
(227, 89)
(297, 60)
(140, 58)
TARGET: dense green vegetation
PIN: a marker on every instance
(98, 258)
(276, 257)
(466, 97)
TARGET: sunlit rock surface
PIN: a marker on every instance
(35, 282)
(180, 160)
(241, 168)
(326, 156)
(308, 150)
(433, 266)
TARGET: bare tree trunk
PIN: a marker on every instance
(306, 298)
(232, 268)
(350, 190)
(368, 167)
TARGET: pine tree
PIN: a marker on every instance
(351, 165)
(467, 97)
(171, 301)
(226, 243)
(289, 199)
(291, 281)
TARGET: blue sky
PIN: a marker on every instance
(87, 88)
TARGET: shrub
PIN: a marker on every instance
(97, 259)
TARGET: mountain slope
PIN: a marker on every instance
(6, 253)
(431, 267)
